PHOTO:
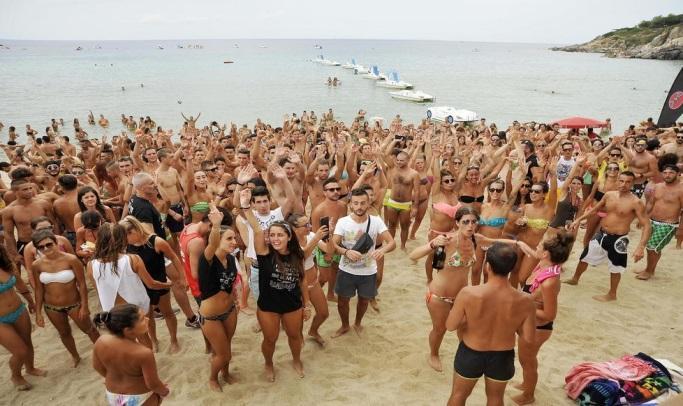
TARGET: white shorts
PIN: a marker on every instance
(610, 247)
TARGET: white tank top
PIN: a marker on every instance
(125, 283)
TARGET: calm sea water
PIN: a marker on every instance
(502, 82)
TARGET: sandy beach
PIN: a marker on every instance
(388, 364)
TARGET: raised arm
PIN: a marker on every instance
(215, 217)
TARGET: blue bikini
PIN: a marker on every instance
(496, 222)
(11, 317)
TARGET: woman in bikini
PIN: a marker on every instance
(494, 215)
(606, 183)
(571, 204)
(15, 323)
(217, 272)
(302, 228)
(442, 290)
(30, 252)
(89, 200)
(128, 367)
(444, 206)
(61, 291)
(422, 165)
(472, 184)
(535, 219)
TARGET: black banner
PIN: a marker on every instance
(673, 105)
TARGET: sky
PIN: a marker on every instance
(532, 21)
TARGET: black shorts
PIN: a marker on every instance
(155, 295)
(173, 225)
(348, 284)
(496, 365)
(20, 247)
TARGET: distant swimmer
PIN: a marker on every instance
(91, 118)
(142, 85)
(103, 121)
(336, 82)
(191, 122)
(180, 102)
(123, 88)
(329, 81)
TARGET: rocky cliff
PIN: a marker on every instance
(660, 38)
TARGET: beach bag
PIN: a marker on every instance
(365, 242)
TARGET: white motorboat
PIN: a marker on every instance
(394, 82)
(360, 70)
(451, 115)
(412, 95)
(374, 74)
(321, 60)
(350, 65)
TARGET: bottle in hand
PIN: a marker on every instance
(439, 259)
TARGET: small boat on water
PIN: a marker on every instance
(321, 60)
(350, 65)
(451, 115)
(374, 74)
(236, 46)
(79, 48)
(360, 70)
(160, 47)
(412, 95)
(228, 62)
(317, 46)
(394, 82)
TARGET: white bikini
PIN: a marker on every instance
(64, 276)
(124, 283)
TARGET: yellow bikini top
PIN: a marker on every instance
(539, 224)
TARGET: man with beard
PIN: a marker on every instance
(333, 209)
(49, 180)
(675, 148)
(643, 164)
(358, 271)
(147, 160)
(611, 241)
(402, 203)
(664, 208)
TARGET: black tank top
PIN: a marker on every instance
(213, 277)
(154, 261)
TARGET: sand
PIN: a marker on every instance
(388, 363)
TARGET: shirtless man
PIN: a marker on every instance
(67, 147)
(146, 159)
(487, 317)
(19, 214)
(611, 241)
(664, 208)
(675, 148)
(318, 171)
(333, 209)
(66, 206)
(48, 181)
(643, 165)
(402, 204)
(171, 190)
(103, 122)
(243, 160)
(213, 180)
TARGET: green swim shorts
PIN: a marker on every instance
(319, 256)
(662, 233)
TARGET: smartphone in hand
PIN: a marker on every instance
(325, 221)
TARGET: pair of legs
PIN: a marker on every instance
(343, 305)
(329, 275)
(421, 211)
(16, 338)
(270, 326)
(528, 353)
(380, 274)
(322, 312)
(394, 217)
(180, 295)
(462, 388)
(438, 311)
(171, 323)
(61, 322)
(614, 278)
(220, 333)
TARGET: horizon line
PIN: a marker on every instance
(285, 39)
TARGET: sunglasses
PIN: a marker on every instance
(496, 190)
(307, 225)
(448, 181)
(77, 173)
(45, 246)
(612, 168)
(52, 167)
(333, 189)
(542, 145)
(567, 149)
(468, 222)
(536, 190)
(525, 185)
(214, 169)
(615, 155)
(457, 162)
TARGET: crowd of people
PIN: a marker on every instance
(282, 221)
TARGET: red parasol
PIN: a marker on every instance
(580, 122)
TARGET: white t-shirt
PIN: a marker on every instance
(564, 166)
(350, 232)
(265, 222)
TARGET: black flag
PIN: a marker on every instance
(673, 105)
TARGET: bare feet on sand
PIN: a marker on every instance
(342, 330)
(571, 281)
(229, 379)
(412, 237)
(270, 373)
(523, 399)
(36, 372)
(215, 386)
(76, 361)
(643, 276)
(299, 368)
(605, 298)
(174, 348)
(21, 384)
(374, 305)
(317, 338)
(358, 329)
(435, 363)
(332, 299)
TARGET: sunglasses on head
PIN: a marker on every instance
(536, 190)
(333, 189)
(45, 246)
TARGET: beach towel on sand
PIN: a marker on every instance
(626, 368)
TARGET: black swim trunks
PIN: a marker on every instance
(496, 365)
(173, 225)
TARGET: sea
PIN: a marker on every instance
(269, 79)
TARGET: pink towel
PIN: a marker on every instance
(550, 272)
(626, 368)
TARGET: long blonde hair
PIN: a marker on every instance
(130, 223)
